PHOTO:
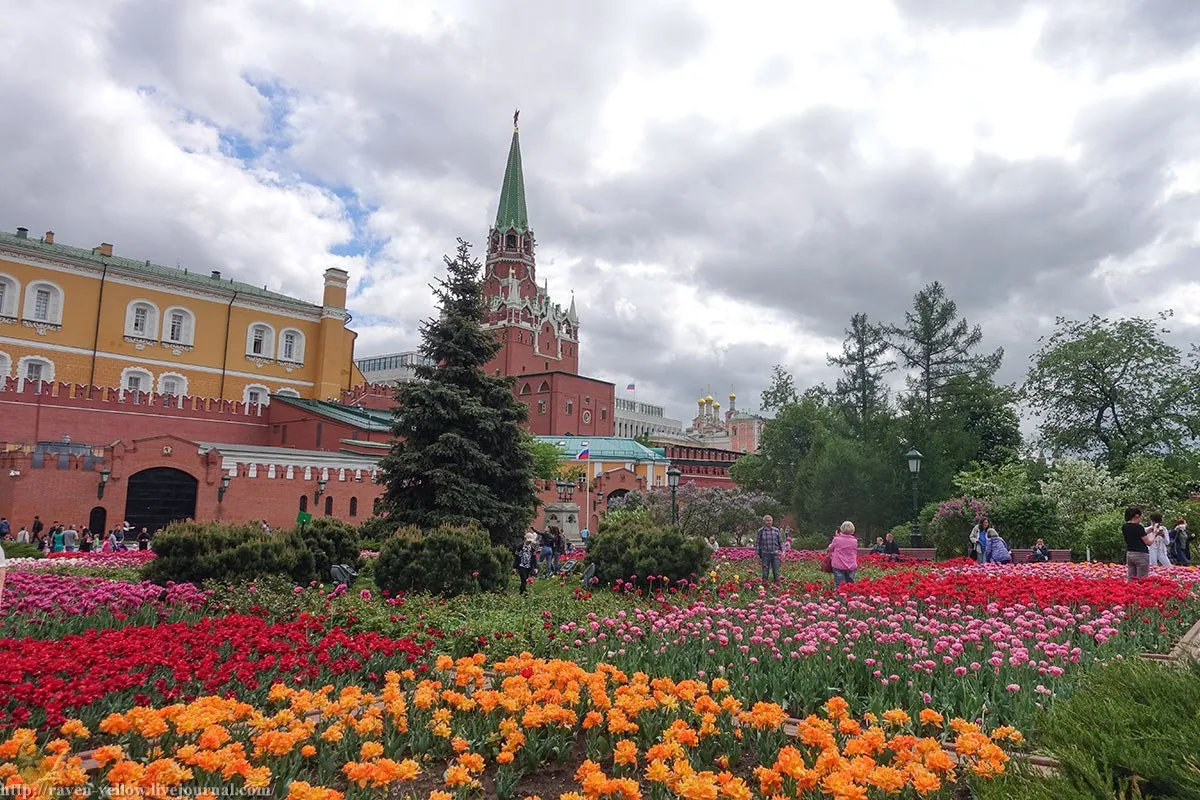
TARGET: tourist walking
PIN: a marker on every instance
(1180, 551)
(1161, 544)
(843, 554)
(56, 539)
(527, 559)
(767, 546)
(71, 539)
(1137, 545)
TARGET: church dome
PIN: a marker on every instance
(708, 400)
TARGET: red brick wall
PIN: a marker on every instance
(27, 416)
(69, 495)
(584, 394)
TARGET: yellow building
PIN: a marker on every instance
(74, 315)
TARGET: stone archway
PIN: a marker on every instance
(98, 520)
(159, 496)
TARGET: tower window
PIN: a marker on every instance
(510, 241)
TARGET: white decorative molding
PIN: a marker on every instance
(176, 348)
(260, 361)
(7, 320)
(42, 328)
(271, 471)
(139, 342)
(290, 474)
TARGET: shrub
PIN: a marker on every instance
(448, 560)
(330, 541)
(952, 523)
(634, 544)
(1102, 533)
(22, 550)
(1023, 519)
(190, 552)
(375, 531)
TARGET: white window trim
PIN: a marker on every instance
(55, 315)
(141, 372)
(298, 357)
(266, 393)
(6, 364)
(189, 330)
(152, 320)
(183, 383)
(268, 341)
(10, 304)
(47, 367)
(287, 391)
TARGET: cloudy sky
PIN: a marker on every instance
(721, 184)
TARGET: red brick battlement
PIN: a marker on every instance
(378, 396)
(98, 415)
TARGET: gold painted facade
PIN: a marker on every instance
(82, 316)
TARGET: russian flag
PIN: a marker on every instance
(629, 388)
(584, 453)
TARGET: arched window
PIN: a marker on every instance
(10, 291)
(179, 326)
(329, 505)
(260, 340)
(525, 389)
(136, 379)
(304, 502)
(35, 369)
(172, 383)
(141, 320)
(545, 387)
(44, 303)
(354, 506)
(291, 346)
(510, 240)
(256, 394)
(5, 365)
(287, 392)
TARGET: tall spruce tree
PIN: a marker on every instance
(861, 390)
(938, 346)
(459, 454)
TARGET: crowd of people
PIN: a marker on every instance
(545, 549)
(69, 538)
(1154, 544)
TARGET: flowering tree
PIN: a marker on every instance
(993, 482)
(1081, 489)
(731, 515)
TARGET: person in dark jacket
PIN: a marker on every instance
(1040, 553)
(890, 546)
(527, 559)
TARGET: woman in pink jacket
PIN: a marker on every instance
(843, 552)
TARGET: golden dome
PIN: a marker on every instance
(708, 400)
(716, 405)
(732, 396)
(700, 402)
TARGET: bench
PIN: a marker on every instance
(1021, 555)
(917, 553)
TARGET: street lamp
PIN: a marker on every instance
(224, 487)
(914, 467)
(673, 481)
(565, 490)
(320, 488)
(105, 474)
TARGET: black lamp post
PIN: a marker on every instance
(914, 467)
(105, 475)
(673, 481)
(224, 487)
(565, 491)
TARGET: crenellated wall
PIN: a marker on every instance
(32, 412)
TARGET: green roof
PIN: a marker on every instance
(367, 419)
(605, 448)
(145, 268)
(512, 212)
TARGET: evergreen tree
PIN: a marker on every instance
(938, 346)
(862, 390)
(782, 391)
(459, 454)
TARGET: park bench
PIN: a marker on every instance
(918, 553)
(1021, 556)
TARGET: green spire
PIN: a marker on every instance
(512, 212)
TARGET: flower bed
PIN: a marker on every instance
(609, 734)
(92, 674)
(128, 559)
(33, 598)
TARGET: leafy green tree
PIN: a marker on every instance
(862, 390)
(938, 346)
(1152, 483)
(1114, 389)
(992, 481)
(781, 392)
(459, 455)
(783, 450)
(546, 457)
(987, 416)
